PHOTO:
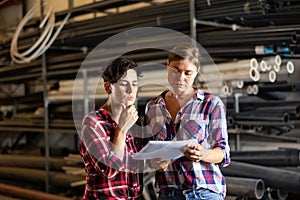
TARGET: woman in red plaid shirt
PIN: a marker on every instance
(106, 144)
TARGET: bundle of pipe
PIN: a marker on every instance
(219, 10)
(150, 84)
(57, 179)
(293, 110)
(281, 179)
(252, 13)
(269, 68)
(255, 42)
(265, 116)
(66, 173)
(275, 117)
(259, 121)
(265, 90)
(222, 78)
(28, 193)
(84, 33)
(249, 16)
(252, 103)
(277, 35)
(281, 157)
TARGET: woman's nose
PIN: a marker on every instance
(181, 75)
(129, 88)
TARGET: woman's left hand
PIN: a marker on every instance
(196, 152)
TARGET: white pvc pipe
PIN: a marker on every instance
(237, 84)
(213, 84)
(225, 76)
(263, 66)
(276, 68)
(227, 66)
(217, 91)
(273, 60)
(249, 90)
(287, 67)
(278, 60)
(272, 76)
(227, 90)
(269, 67)
(254, 63)
(255, 89)
(290, 68)
(254, 74)
(268, 76)
(240, 90)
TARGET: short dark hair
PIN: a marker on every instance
(185, 51)
(118, 69)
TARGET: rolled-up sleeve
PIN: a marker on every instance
(99, 148)
(218, 129)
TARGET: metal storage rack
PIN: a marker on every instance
(177, 15)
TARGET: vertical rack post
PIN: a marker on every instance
(46, 122)
(46, 117)
(193, 23)
(237, 110)
(193, 29)
(85, 91)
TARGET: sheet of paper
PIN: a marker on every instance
(165, 150)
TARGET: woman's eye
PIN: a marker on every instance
(123, 83)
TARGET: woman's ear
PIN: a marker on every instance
(107, 87)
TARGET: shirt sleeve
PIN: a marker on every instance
(155, 128)
(99, 148)
(218, 129)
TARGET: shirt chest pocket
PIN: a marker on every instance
(193, 128)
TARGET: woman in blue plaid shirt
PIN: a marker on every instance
(186, 112)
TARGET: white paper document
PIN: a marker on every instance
(165, 150)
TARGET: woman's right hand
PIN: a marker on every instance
(128, 117)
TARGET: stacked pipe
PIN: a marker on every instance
(274, 179)
(267, 118)
(173, 15)
(260, 23)
(247, 75)
(267, 162)
(65, 173)
(252, 12)
(150, 84)
(82, 33)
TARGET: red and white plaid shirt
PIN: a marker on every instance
(108, 177)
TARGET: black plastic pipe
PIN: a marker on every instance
(245, 187)
(275, 178)
(283, 157)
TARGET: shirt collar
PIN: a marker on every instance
(198, 96)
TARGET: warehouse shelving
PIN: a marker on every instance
(229, 34)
